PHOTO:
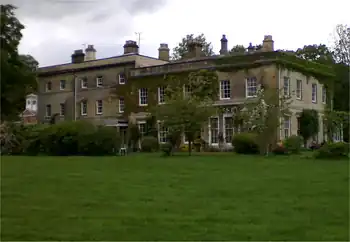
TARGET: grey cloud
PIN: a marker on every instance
(98, 10)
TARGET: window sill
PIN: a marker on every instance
(121, 83)
(250, 96)
(314, 102)
(99, 113)
(143, 105)
(299, 98)
(83, 114)
(225, 98)
(161, 103)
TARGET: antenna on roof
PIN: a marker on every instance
(138, 34)
(84, 45)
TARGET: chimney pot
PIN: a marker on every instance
(224, 48)
(78, 56)
(163, 52)
(268, 43)
(90, 53)
(131, 46)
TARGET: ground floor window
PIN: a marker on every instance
(142, 129)
(228, 121)
(162, 133)
(286, 127)
(338, 134)
(214, 130)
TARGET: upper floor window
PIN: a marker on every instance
(324, 94)
(99, 81)
(48, 86)
(48, 110)
(314, 92)
(187, 90)
(34, 102)
(299, 90)
(121, 105)
(99, 107)
(286, 86)
(84, 82)
(225, 89)
(161, 95)
(251, 87)
(62, 109)
(121, 78)
(83, 107)
(143, 96)
(62, 84)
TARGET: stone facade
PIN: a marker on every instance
(98, 90)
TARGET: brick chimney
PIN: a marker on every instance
(131, 46)
(163, 51)
(78, 56)
(267, 44)
(194, 49)
(224, 49)
(90, 53)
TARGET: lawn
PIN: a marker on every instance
(147, 197)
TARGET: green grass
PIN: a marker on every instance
(146, 197)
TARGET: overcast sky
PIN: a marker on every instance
(54, 28)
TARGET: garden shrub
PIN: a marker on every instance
(166, 148)
(245, 143)
(149, 144)
(333, 151)
(280, 150)
(293, 144)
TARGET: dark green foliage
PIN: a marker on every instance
(133, 136)
(309, 124)
(174, 138)
(293, 144)
(166, 149)
(62, 139)
(151, 126)
(245, 143)
(149, 144)
(181, 50)
(17, 72)
(333, 151)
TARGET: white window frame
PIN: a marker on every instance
(83, 83)
(224, 116)
(62, 87)
(62, 108)
(288, 129)
(314, 93)
(299, 90)
(121, 104)
(187, 90)
(324, 95)
(225, 89)
(121, 78)
(145, 96)
(48, 110)
(99, 81)
(99, 107)
(139, 123)
(209, 128)
(161, 96)
(47, 85)
(247, 87)
(338, 134)
(164, 133)
(286, 88)
(82, 105)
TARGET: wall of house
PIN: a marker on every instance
(305, 102)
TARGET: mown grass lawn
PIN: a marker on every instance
(147, 197)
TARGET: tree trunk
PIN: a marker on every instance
(189, 147)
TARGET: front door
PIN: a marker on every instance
(123, 135)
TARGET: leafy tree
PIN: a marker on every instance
(342, 44)
(17, 72)
(238, 49)
(263, 116)
(309, 125)
(180, 51)
(188, 113)
(317, 53)
(335, 121)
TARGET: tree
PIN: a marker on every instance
(317, 53)
(17, 72)
(238, 49)
(263, 116)
(180, 51)
(187, 113)
(309, 125)
(342, 44)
